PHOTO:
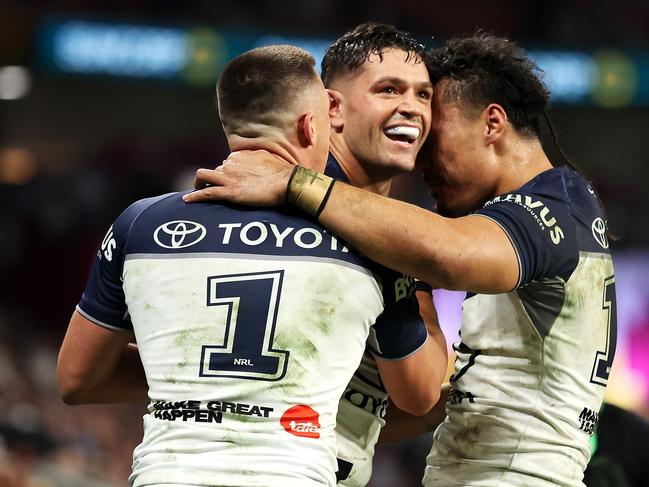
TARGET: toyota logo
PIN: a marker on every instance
(599, 232)
(179, 234)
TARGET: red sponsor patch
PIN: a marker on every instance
(301, 420)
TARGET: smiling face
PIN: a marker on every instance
(383, 115)
(456, 162)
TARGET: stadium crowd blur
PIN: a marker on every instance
(75, 151)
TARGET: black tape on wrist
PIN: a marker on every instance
(325, 199)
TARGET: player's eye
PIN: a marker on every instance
(390, 90)
(425, 94)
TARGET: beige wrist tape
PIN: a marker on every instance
(309, 190)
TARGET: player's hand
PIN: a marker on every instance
(256, 178)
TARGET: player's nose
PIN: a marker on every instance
(410, 105)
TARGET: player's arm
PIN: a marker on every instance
(413, 382)
(97, 361)
(469, 253)
(400, 425)
(99, 365)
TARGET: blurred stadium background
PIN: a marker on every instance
(104, 103)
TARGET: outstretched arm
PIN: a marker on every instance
(98, 365)
(471, 253)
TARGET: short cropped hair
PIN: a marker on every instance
(348, 53)
(487, 69)
(261, 85)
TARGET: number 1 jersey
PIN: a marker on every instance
(249, 323)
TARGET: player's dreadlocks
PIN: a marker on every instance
(353, 48)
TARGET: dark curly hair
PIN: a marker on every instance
(352, 49)
(488, 69)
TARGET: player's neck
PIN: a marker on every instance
(273, 145)
(524, 160)
(354, 171)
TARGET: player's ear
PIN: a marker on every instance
(307, 129)
(335, 109)
(495, 119)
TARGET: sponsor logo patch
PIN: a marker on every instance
(301, 421)
(205, 411)
(179, 234)
(374, 405)
(108, 245)
(588, 420)
(599, 232)
(537, 209)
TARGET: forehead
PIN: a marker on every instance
(440, 92)
(442, 100)
(393, 63)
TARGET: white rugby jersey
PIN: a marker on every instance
(532, 364)
(250, 323)
(363, 404)
(359, 422)
(361, 414)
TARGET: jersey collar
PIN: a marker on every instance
(334, 169)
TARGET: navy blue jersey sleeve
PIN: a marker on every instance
(103, 300)
(423, 286)
(542, 231)
(399, 331)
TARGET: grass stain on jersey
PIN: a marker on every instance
(169, 455)
(466, 441)
(324, 327)
(303, 360)
(183, 337)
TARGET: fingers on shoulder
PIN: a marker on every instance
(208, 193)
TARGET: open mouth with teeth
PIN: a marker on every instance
(403, 133)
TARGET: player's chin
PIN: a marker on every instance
(401, 164)
(450, 209)
(405, 160)
(444, 203)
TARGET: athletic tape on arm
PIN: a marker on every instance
(309, 190)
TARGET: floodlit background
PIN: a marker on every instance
(105, 103)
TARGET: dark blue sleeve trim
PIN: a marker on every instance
(422, 286)
(400, 346)
(103, 300)
(399, 331)
(542, 231)
(103, 319)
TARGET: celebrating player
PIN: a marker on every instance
(380, 115)
(249, 323)
(529, 243)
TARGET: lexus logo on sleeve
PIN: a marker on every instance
(179, 234)
(599, 232)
